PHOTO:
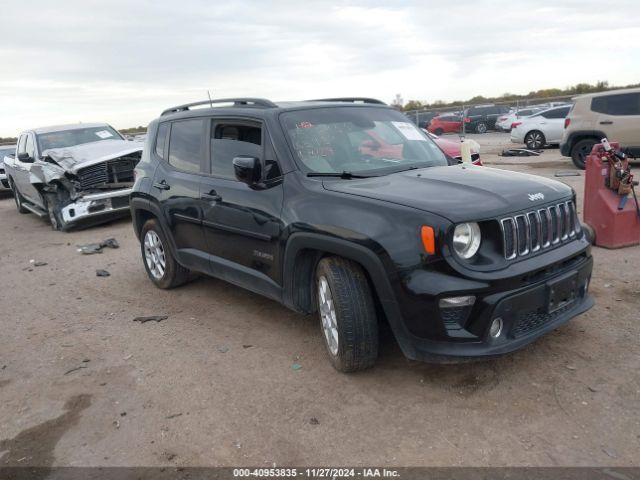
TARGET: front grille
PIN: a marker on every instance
(539, 229)
(119, 170)
(532, 321)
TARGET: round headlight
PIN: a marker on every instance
(466, 239)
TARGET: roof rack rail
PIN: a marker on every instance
(237, 102)
(350, 100)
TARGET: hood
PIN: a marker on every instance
(79, 156)
(459, 192)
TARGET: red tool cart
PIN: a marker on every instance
(610, 201)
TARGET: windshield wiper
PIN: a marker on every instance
(344, 174)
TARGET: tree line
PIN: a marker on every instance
(577, 89)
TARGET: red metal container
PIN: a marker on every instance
(613, 228)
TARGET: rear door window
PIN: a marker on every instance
(22, 143)
(557, 113)
(621, 104)
(161, 139)
(185, 145)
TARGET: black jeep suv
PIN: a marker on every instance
(295, 202)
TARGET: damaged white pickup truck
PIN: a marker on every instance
(73, 174)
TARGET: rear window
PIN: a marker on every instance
(185, 145)
(621, 104)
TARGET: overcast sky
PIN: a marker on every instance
(124, 62)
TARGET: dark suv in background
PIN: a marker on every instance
(288, 201)
(483, 117)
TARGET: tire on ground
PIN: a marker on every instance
(581, 150)
(530, 141)
(357, 323)
(174, 273)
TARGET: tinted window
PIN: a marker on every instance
(161, 139)
(185, 145)
(230, 140)
(622, 104)
(556, 113)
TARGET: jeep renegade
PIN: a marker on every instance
(286, 200)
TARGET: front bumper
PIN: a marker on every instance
(524, 311)
(96, 205)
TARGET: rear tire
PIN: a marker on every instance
(581, 150)
(535, 140)
(481, 127)
(438, 132)
(19, 199)
(158, 258)
(347, 314)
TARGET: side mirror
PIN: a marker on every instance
(247, 170)
(25, 157)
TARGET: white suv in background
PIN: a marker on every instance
(540, 129)
(614, 115)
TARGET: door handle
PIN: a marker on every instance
(162, 185)
(606, 122)
(212, 195)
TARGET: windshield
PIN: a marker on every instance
(363, 140)
(78, 136)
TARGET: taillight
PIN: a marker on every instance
(515, 124)
(567, 122)
(467, 120)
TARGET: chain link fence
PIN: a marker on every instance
(422, 117)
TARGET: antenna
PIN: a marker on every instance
(210, 101)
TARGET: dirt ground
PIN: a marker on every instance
(81, 383)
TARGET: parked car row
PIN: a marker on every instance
(341, 208)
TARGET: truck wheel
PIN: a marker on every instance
(347, 314)
(159, 262)
(481, 127)
(535, 140)
(55, 215)
(17, 197)
(580, 151)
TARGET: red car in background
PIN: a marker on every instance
(377, 147)
(445, 124)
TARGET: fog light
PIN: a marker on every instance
(496, 328)
(453, 302)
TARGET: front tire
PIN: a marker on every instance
(438, 132)
(535, 140)
(159, 261)
(481, 127)
(347, 314)
(55, 215)
(581, 150)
